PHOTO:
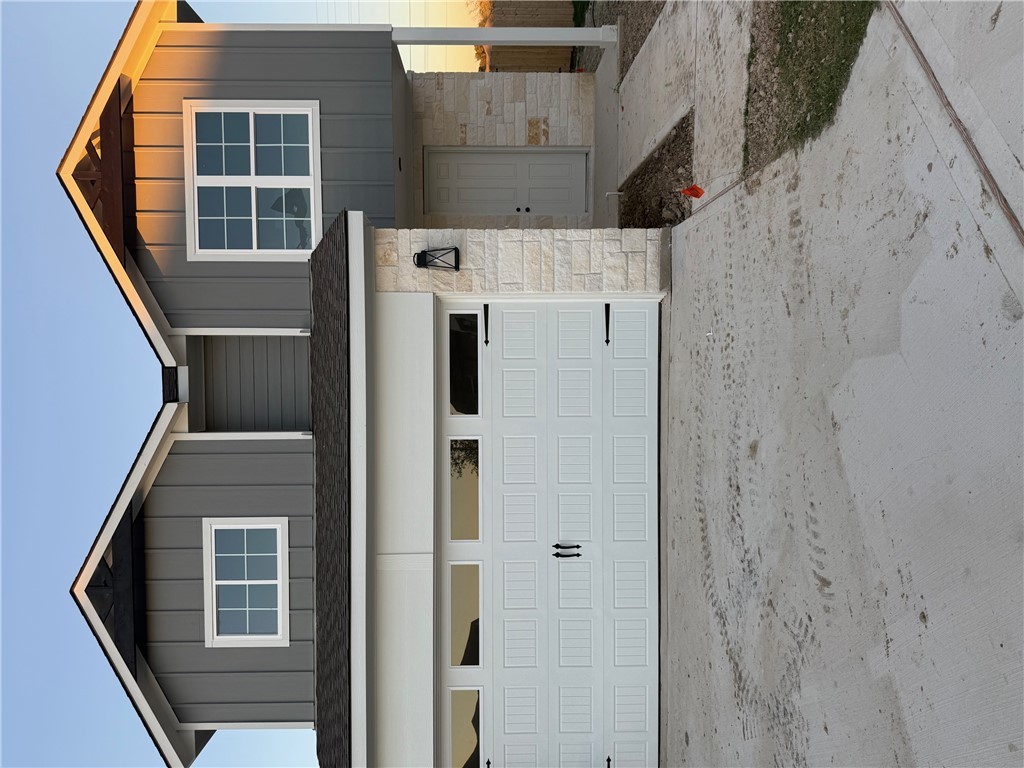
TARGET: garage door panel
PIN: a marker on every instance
(519, 517)
(538, 196)
(570, 424)
(576, 517)
(575, 755)
(630, 515)
(521, 756)
(521, 648)
(489, 194)
(518, 333)
(575, 334)
(505, 181)
(477, 166)
(630, 393)
(551, 170)
(575, 392)
(630, 489)
(631, 331)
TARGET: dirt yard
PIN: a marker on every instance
(843, 542)
(651, 196)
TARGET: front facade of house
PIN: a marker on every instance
(374, 490)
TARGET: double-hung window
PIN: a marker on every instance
(245, 575)
(252, 184)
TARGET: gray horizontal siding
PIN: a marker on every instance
(348, 73)
(298, 657)
(164, 131)
(226, 478)
(179, 533)
(187, 627)
(307, 39)
(184, 595)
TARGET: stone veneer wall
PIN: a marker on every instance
(528, 260)
(500, 109)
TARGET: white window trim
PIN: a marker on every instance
(308, 107)
(281, 639)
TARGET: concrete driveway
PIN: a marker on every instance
(842, 418)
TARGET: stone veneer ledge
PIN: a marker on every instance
(527, 260)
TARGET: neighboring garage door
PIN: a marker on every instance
(556, 646)
(506, 181)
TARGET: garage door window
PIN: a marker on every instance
(464, 584)
(464, 486)
(465, 720)
(464, 364)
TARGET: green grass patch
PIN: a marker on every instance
(801, 56)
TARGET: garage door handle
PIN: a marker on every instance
(563, 554)
(566, 546)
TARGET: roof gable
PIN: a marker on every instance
(90, 170)
(95, 590)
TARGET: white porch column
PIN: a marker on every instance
(539, 36)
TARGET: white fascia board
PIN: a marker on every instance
(200, 436)
(358, 313)
(261, 726)
(223, 331)
(243, 27)
(475, 300)
(148, 462)
(530, 36)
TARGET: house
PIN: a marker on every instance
(413, 508)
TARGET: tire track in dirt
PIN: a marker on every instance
(745, 607)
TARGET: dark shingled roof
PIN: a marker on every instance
(329, 382)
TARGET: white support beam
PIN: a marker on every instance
(538, 36)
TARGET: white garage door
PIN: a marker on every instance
(561, 575)
(505, 181)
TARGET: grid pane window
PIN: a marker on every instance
(282, 145)
(253, 180)
(246, 581)
(284, 218)
(222, 143)
(225, 217)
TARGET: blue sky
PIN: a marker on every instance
(80, 387)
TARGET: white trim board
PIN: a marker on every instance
(475, 300)
(533, 36)
(360, 291)
(298, 725)
(243, 27)
(199, 436)
(239, 332)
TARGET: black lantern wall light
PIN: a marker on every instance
(437, 258)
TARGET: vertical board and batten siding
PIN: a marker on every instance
(222, 478)
(256, 383)
(348, 72)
